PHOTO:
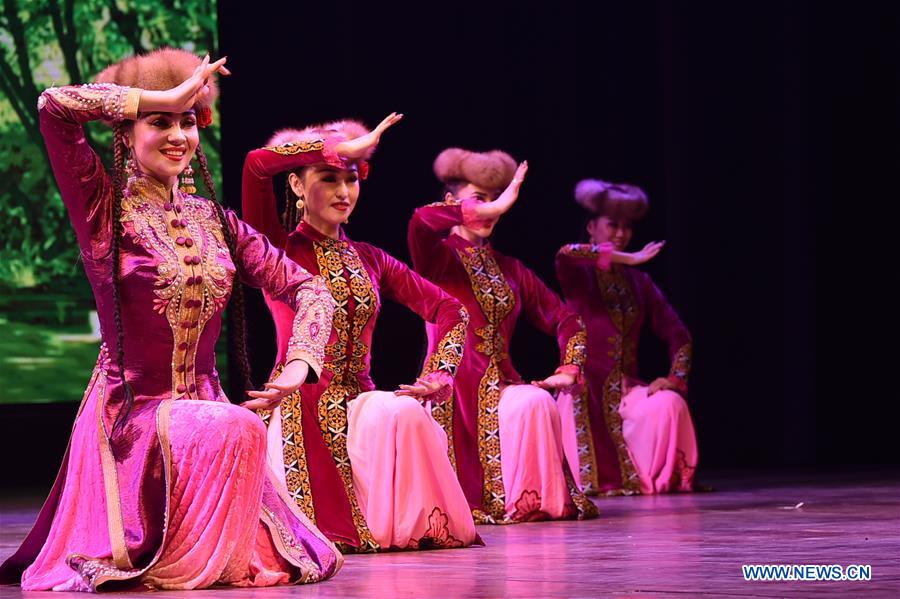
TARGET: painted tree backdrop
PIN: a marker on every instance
(44, 296)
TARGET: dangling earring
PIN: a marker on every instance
(130, 166)
(300, 204)
(187, 181)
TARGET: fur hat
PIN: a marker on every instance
(346, 129)
(490, 170)
(161, 70)
(615, 200)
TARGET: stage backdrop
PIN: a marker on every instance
(764, 132)
(49, 335)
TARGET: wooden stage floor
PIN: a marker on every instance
(668, 546)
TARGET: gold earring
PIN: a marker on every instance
(130, 166)
(187, 181)
(300, 203)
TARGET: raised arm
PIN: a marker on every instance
(604, 254)
(85, 186)
(258, 202)
(429, 226)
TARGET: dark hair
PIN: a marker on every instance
(236, 313)
(292, 215)
(236, 308)
(117, 230)
(453, 186)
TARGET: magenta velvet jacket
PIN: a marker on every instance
(358, 275)
(496, 290)
(615, 303)
(176, 278)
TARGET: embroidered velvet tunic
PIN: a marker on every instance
(175, 279)
(496, 290)
(319, 472)
(615, 303)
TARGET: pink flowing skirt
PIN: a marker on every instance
(531, 450)
(404, 482)
(215, 532)
(659, 435)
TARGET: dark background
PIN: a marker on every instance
(765, 133)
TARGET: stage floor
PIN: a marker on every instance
(668, 546)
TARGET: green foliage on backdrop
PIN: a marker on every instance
(59, 42)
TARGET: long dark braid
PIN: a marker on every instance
(292, 215)
(236, 314)
(288, 217)
(119, 182)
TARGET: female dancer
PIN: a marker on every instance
(370, 467)
(505, 433)
(164, 483)
(638, 437)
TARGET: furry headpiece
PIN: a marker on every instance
(614, 200)
(491, 170)
(161, 70)
(336, 130)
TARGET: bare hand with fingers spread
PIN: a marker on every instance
(555, 381)
(645, 254)
(192, 90)
(422, 388)
(290, 379)
(357, 148)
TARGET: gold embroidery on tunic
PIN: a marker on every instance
(587, 467)
(575, 347)
(187, 307)
(618, 298)
(681, 363)
(497, 301)
(347, 355)
(296, 468)
(447, 356)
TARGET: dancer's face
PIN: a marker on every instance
(605, 229)
(482, 229)
(329, 194)
(164, 143)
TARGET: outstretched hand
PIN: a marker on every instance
(183, 97)
(555, 381)
(645, 254)
(290, 379)
(421, 388)
(357, 148)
